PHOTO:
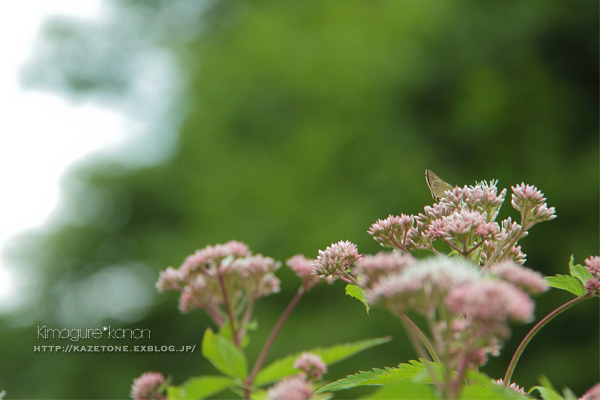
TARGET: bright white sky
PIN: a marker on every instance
(40, 133)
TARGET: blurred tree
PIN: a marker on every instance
(298, 125)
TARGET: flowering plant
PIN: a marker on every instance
(225, 281)
(467, 300)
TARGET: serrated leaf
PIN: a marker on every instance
(481, 387)
(546, 389)
(330, 355)
(568, 283)
(377, 376)
(223, 355)
(581, 273)
(403, 390)
(358, 293)
(571, 261)
(203, 386)
(490, 391)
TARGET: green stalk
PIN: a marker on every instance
(531, 334)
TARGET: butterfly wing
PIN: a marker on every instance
(437, 185)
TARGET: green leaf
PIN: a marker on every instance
(568, 394)
(578, 271)
(455, 254)
(581, 273)
(404, 372)
(547, 394)
(568, 283)
(203, 386)
(358, 293)
(404, 390)
(173, 393)
(546, 389)
(225, 332)
(224, 355)
(489, 391)
(330, 355)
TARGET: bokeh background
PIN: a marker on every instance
(289, 126)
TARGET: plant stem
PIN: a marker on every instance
(531, 334)
(421, 336)
(234, 334)
(413, 333)
(272, 336)
(246, 318)
(455, 386)
(349, 278)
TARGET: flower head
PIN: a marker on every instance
(223, 271)
(370, 268)
(213, 255)
(524, 278)
(303, 267)
(337, 257)
(490, 301)
(482, 197)
(311, 365)
(294, 388)
(592, 394)
(592, 286)
(255, 275)
(394, 232)
(169, 279)
(462, 224)
(531, 203)
(145, 386)
(592, 263)
(421, 285)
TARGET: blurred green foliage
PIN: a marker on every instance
(298, 125)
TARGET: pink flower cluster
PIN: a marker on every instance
(213, 273)
(592, 264)
(476, 306)
(462, 225)
(145, 386)
(336, 259)
(524, 278)
(531, 203)
(466, 220)
(490, 301)
(482, 197)
(370, 268)
(592, 394)
(420, 286)
(293, 388)
(394, 231)
(303, 268)
(299, 387)
(311, 365)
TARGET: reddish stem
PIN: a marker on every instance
(269, 343)
(234, 333)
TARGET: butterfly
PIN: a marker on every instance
(437, 185)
